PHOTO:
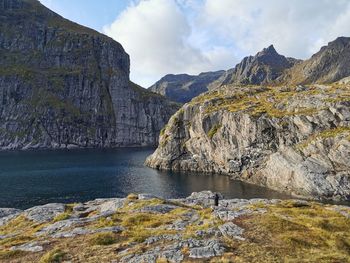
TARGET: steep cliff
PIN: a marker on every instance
(63, 85)
(295, 140)
(182, 87)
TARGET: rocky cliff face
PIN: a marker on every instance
(63, 85)
(295, 140)
(182, 88)
(328, 65)
(265, 67)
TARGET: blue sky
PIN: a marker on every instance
(90, 13)
(193, 36)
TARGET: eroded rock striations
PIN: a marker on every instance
(295, 140)
(65, 85)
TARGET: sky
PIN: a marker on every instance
(192, 36)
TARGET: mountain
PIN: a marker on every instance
(265, 67)
(291, 139)
(328, 65)
(182, 88)
(65, 85)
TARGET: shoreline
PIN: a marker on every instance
(147, 228)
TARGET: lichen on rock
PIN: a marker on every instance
(291, 139)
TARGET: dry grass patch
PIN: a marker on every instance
(102, 239)
(54, 256)
(290, 232)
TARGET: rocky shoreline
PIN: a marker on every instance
(146, 228)
(290, 139)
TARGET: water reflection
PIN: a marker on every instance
(38, 177)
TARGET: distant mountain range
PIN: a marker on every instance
(267, 67)
(182, 88)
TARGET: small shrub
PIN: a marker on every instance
(132, 197)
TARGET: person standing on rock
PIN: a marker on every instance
(216, 199)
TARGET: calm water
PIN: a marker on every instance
(37, 177)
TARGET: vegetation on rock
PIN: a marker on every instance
(160, 230)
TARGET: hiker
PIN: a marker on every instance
(216, 199)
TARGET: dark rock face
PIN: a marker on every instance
(64, 85)
(328, 65)
(263, 68)
(182, 88)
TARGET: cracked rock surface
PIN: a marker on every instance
(291, 139)
(151, 229)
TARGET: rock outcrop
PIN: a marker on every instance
(328, 65)
(265, 67)
(142, 228)
(294, 140)
(65, 85)
(182, 88)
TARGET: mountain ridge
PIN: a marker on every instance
(268, 67)
(183, 87)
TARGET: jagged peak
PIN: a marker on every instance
(268, 51)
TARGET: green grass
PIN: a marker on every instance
(213, 130)
(102, 239)
(256, 100)
(54, 256)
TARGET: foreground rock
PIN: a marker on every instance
(148, 229)
(291, 139)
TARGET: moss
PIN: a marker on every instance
(256, 100)
(325, 134)
(102, 239)
(331, 133)
(213, 130)
(162, 131)
(62, 216)
(54, 256)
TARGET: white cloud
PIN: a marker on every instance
(296, 27)
(177, 36)
(155, 33)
